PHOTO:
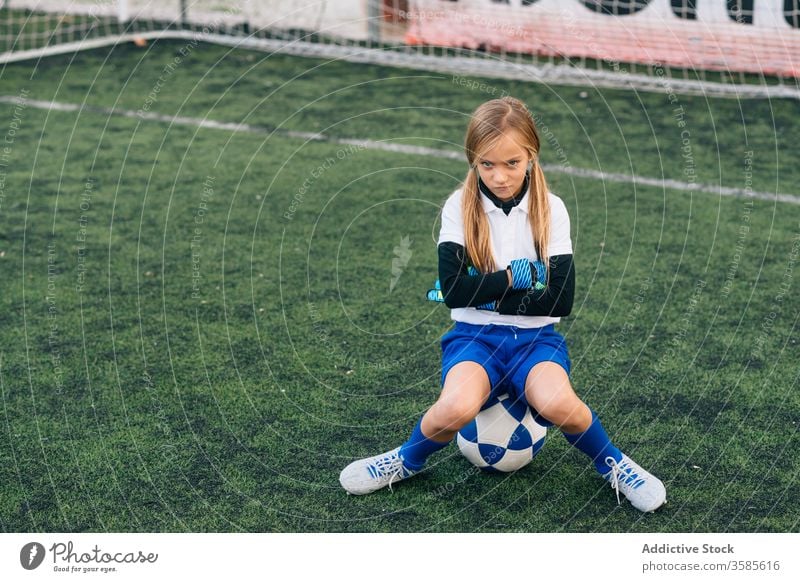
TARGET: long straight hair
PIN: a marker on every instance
(488, 124)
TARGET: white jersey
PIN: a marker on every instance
(511, 239)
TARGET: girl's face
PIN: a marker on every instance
(502, 167)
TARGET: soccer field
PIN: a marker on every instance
(214, 268)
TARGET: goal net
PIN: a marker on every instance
(741, 48)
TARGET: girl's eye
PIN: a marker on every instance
(513, 163)
(486, 164)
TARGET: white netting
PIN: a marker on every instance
(722, 47)
(345, 19)
(753, 37)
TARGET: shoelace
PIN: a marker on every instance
(622, 473)
(391, 467)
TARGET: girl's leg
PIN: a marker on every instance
(466, 388)
(550, 392)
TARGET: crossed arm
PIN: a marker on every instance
(461, 289)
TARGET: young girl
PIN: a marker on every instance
(506, 272)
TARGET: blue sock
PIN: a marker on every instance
(416, 450)
(595, 442)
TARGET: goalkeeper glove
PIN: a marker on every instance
(527, 274)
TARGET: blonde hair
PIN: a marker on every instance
(488, 123)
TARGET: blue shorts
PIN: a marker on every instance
(507, 353)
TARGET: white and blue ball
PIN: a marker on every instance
(503, 437)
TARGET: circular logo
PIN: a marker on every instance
(31, 555)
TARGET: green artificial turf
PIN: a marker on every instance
(199, 327)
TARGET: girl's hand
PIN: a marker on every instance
(522, 274)
(525, 274)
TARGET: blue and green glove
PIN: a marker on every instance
(435, 294)
(527, 274)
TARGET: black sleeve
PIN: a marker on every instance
(555, 300)
(461, 289)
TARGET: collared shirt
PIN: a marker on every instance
(511, 239)
(505, 205)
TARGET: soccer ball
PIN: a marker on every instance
(503, 437)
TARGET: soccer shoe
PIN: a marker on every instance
(644, 490)
(373, 473)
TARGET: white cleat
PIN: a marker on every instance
(645, 491)
(373, 473)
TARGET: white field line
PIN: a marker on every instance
(406, 149)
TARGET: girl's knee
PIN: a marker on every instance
(563, 409)
(466, 388)
(453, 413)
